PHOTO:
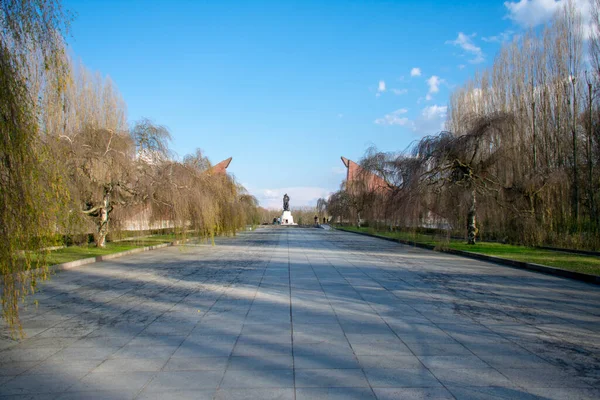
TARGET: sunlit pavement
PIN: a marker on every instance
(284, 313)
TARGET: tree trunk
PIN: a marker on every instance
(534, 137)
(593, 218)
(575, 161)
(102, 222)
(471, 219)
(575, 179)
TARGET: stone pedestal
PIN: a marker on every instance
(287, 219)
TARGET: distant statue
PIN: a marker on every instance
(286, 202)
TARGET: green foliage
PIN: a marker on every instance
(31, 191)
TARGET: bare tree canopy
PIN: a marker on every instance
(151, 141)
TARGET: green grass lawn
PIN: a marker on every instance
(572, 262)
(147, 240)
(73, 253)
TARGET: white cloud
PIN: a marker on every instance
(530, 13)
(393, 118)
(461, 66)
(431, 120)
(502, 37)
(415, 72)
(300, 196)
(399, 91)
(380, 88)
(434, 86)
(434, 111)
(465, 42)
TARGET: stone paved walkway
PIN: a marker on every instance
(284, 313)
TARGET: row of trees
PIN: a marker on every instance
(520, 160)
(70, 163)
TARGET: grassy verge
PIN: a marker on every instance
(73, 253)
(571, 262)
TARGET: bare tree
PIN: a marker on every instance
(339, 206)
(466, 160)
(102, 174)
(574, 41)
(151, 141)
(322, 208)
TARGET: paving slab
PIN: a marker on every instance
(263, 394)
(413, 394)
(286, 312)
(335, 393)
(410, 378)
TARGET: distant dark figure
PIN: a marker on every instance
(274, 220)
(316, 220)
(286, 202)
(324, 220)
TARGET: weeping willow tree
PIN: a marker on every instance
(248, 210)
(101, 175)
(443, 177)
(339, 206)
(403, 203)
(31, 193)
(88, 127)
(462, 164)
(197, 200)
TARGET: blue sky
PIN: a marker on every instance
(286, 88)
